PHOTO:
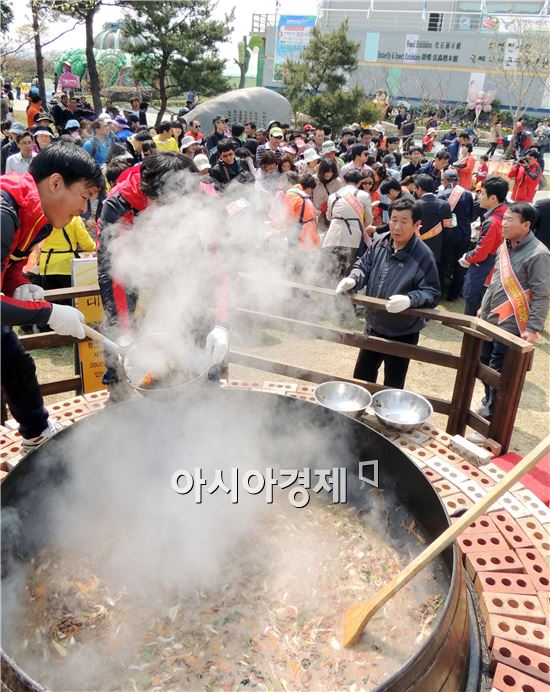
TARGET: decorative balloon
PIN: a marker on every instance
(480, 100)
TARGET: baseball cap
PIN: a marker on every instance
(16, 128)
(218, 118)
(450, 174)
(328, 146)
(72, 123)
(120, 121)
(42, 116)
(431, 130)
(186, 142)
(104, 116)
(308, 127)
(201, 162)
(276, 132)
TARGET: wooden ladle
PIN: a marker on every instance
(357, 617)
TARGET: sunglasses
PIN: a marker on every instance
(367, 182)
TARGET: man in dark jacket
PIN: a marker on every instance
(436, 166)
(401, 268)
(436, 216)
(416, 162)
(542, 223)
(228, 167)
(456, 239)
(211, 143)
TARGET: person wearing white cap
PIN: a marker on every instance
(188, 146)
(328, 151)
(428, 140)
(202, 163)
(309, 162)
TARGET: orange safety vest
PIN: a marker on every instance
(296, 202)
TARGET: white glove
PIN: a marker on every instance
(29, 292)
(67, 320)
(217, 345)
(464, 262)
(398, 303)
(345, 285)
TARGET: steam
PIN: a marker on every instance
(117, 500)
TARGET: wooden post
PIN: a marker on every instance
(512, 378)
(464, 383)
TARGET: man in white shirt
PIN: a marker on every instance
(349, 212)
(19, 163)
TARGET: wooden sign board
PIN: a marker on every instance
(90, 354)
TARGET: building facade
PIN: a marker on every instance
(442, 50)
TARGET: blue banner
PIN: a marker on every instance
(293, 34)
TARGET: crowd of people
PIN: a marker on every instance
(405, 220)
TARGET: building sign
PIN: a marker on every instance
(419, 50)
(293, 34)
(513, 24)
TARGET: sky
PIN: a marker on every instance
(244, 9)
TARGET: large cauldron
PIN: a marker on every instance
(448, 660)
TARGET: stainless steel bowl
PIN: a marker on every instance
(345, 397)
(401, 410)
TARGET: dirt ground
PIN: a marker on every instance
(532, 422)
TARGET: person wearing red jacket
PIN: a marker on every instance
(137, 188)
(57, 187)
(465, 166)
(481, 260)
(527, 173)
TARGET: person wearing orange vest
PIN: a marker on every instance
(60, 181)
(518, 297)
(301, 213)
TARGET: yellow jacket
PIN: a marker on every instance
(61, 246)
(169, 144)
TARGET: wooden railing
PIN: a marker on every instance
(508, 384)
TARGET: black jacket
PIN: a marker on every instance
(385, 272)
(464, 212)
(434, 211)
(224, 174)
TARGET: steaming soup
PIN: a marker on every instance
(272, 620)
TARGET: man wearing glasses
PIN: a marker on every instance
(228, 167)
(273, 144)
(195, 131)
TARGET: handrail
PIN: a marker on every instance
(508, 384)
(451, 319)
